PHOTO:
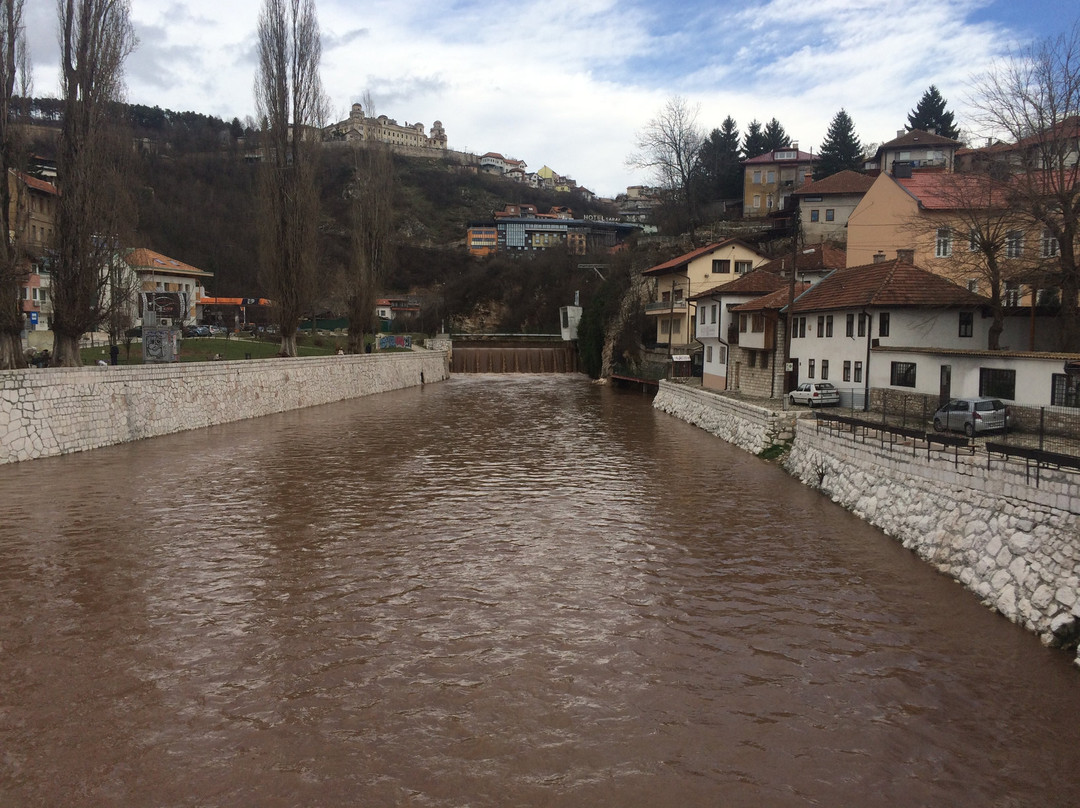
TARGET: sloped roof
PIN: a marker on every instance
(821, 257)
(38, 185)
(941, 191)
(896, 284)
(143, 260)
(767, 157)
(917, 137)
(755, 282)
(680, 261)
(774, 300)
(842, 182)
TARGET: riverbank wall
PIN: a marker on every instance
(1012, 540)
(54, 411)
(748, 425)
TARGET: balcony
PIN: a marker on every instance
(658, 306)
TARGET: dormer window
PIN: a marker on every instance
(786, 155)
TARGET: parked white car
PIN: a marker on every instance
(814, 393)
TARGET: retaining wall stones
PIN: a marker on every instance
(1014, 544)
(56, 411)
(749, 426)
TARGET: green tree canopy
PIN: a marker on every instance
(720, 169)
(841, 149)
(754, 142)
(930, 115)
(775, 136)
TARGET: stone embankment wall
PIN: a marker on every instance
(749, 426)
(61, 410)
(1012, 542)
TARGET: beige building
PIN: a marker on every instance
(826, 205)
(154, 272)
(680, 279)
(410, 138)
(770, 179)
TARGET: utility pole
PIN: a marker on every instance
(795, 234)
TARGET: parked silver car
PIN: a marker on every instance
(813, 393)
(972, 415)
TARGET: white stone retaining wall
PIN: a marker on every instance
(56, 411)
(1015, 544)
(749, 426)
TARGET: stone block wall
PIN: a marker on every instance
(56, 411)
(1013, 543)
(749, 426)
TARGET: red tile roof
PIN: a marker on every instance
(676, 263)
(895, 284)
(38, 185)
(819, 257)
(142, 259)
(940, 191)
(755, 282)
(842, 182)
(917, 137)
(774, 300)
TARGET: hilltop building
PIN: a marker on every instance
(407, 139)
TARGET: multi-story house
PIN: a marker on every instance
(679, 280)
(32, 214)
(826, 205)
(531, 231)
(858, 327)
(912, 149)
(154, 272)
(770, 179)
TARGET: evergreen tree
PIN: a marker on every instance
(930, 115)
(754, 143)
(841, 149)
(720, 169)
(775, 136)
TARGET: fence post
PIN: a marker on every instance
(1042, 426)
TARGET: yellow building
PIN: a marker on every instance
(770, 179)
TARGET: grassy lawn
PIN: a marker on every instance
(203, 349)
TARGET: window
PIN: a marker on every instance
(997, 383)
(973, 286)
(764, 360)
(708, 354)
(1012, 293)
(757, 201)
(847, 370)
(943, 243)
(714, 308)
(830, 215)
(769, 201)
(665, 326)
(862, 325)
(903, 374)
(815, 215)
(742, 323)
(721, 266)
(742, 267)
(751, 359)
(721, 354)
(1049, 245)
(677, 327)
(702, 320)
(858, 372)
(757, 322)
(967, 324)
(678, 295)
(1014, 244)
(883, 324)
(850, 327)
(809, 368)
(770, 177)
(828, 325)
(1064, 391)
(824, 368)
(757, 180)
(821, 325)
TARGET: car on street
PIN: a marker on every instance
(814, 393)
(196, 331)
(972, 416)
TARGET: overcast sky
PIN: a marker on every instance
(568, 83)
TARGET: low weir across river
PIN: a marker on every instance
(513, 355)
(491, 591)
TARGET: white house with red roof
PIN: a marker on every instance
(825, 205)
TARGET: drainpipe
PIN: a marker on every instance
(866, 372)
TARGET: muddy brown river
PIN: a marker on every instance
(495, 591)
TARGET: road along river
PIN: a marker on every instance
(494, 591)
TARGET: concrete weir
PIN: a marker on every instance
(57, 411)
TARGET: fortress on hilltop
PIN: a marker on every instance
(409, 139)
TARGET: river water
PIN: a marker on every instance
(494, 591)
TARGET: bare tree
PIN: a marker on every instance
(372, 212)
(669, 146)
(94, 209)
(291, 104)
(12, 267)
(1033, 96)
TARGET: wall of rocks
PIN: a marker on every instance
(747, 425)
(53, 411)
(1014, 543)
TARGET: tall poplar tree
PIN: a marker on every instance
(930, 115)
(291, 104)
(12, 268)
(841, 149)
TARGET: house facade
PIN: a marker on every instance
(407, 139)
(914, 149)
(770, 179)
(826, 205)
(678, 281)
(32, 213)
(154, 272)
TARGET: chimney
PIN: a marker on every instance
(905, 256)
(901, 132)
(879, 257)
